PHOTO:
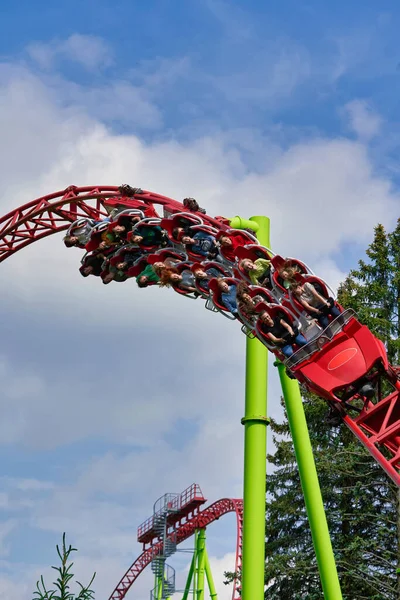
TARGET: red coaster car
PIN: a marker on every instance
(131, 203)
(238, 238)
(184, 266)
(96, 237)
(207, 229)
(278, 263)
(182, 221)
(216, 297)
(251, 252)
(140, 229)
(263, 296)
(165, 254)
(320, 287)
(344, 352)
(275, 311)
(202, 284)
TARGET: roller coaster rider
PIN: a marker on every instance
(315, 304)
(281, 333)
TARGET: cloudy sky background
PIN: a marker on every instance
(111, 395)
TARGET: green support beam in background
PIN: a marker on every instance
(255, 424)
(199, 570)
(201, 548)
(310, 485)
(210, 580)
(189, 578)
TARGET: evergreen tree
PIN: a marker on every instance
(373, 290)
(360, 500)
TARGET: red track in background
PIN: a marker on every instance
(183, 532)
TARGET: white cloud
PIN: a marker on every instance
(363, 120)
(86, 362)
(6, 527)
(90, 51)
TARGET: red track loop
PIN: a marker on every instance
(183, 532)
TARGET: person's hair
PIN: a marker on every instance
(191, 204)
(141, 283)
(165, 276)
(242, 288)
(159, 269)
(108, 278)
(176, 232)
(199, 268)
(221, 280)
(265, 312)
(294, 286)
(241, 264)
(289, 269)
(68, 241)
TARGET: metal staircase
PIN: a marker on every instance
(165, 574)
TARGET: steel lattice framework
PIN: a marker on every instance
(55, 212)
(183, 532)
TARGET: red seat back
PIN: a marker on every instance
(95, 237)
(119, 255)
(162, 255)
(179, 220)
(137, 267)
(239, 238)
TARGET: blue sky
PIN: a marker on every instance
(112, 396)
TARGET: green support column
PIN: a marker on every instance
(159, 587)
(210, 580)
(189, 578)
(201, 546)
(310, 484)
(255, 424)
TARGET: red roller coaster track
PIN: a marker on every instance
(183, 532)
(376, 425)
(55, 212)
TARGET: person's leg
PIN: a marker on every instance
(335, 312)
(287, 350)
(300, 339)
(323, 320)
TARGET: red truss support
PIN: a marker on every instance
(377, 427)
(183, 531)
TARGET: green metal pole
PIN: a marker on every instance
(255, 424)
(210, 579)
(189, 578)
(310, 484)
(196, 563)
(201, 546)
(159, 587)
